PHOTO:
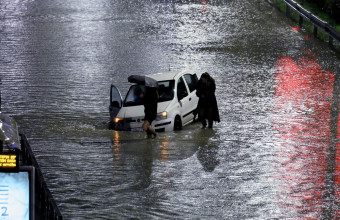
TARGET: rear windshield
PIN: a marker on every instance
(165, 91)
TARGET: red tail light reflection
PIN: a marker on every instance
(302, 121)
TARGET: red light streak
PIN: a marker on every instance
(303, 100)
(296, 29)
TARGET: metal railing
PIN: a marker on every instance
(45, 200)
(314, 20)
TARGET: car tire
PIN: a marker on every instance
(111, 125)
(177, 123)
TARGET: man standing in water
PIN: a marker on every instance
(207, 104)
(150, 100)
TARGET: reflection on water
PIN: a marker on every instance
(304, 96)
(164, 152)
(207, 153)
(116, 150)
(271, 157)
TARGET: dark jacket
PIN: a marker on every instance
(207, 98)
(150, 103)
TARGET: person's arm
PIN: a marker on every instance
(199, 89)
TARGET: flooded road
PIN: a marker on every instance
(274, 154)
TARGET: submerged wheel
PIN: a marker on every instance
(177, 123)
(111, 125)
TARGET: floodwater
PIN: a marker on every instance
(274, 154)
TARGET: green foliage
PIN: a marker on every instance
(324, 9)
(281, 5)
(329, 9)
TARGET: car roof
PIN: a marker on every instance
(169, 75)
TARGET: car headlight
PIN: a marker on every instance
(116, 120)
(162, 115)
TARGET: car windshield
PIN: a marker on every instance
(165, 92)
(133, 96)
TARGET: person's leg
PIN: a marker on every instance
(146, 124)
(148, 129)
(151, 131)
(202, 117)
(145, 127)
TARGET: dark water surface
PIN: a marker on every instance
(273, 156)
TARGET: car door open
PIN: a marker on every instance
(115, 101)
(184, 99)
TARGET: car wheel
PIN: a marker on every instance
(111, 125)
(178, 123)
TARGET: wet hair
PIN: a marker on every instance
(207, 76)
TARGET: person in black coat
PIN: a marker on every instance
(150, 100)
(207, 104)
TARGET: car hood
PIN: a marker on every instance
(136, 111)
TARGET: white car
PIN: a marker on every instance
(176, 105)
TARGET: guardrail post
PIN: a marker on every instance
(300, 20)
(330, 41)
(315, 31)
(287, 11)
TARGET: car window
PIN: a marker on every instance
(166, 90)
(191, 80)
(133, 96)
(181, 89)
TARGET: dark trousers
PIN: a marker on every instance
(206, 113)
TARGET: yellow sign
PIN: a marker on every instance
(8, 161)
